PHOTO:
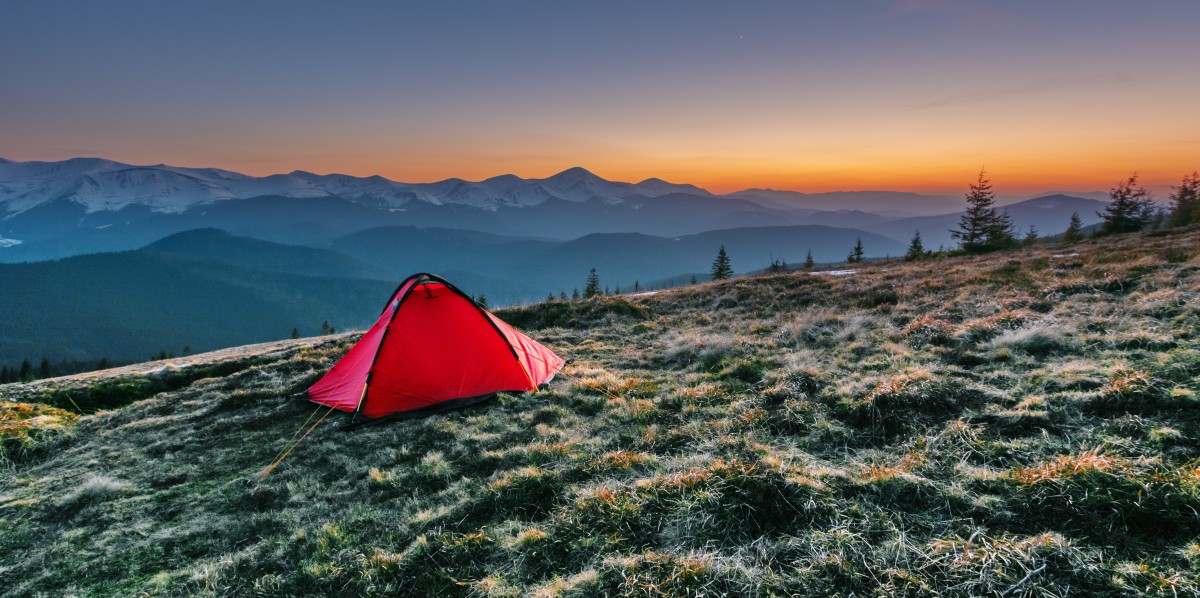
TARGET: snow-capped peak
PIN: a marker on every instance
(104, 185)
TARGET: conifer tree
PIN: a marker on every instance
(694, 281)
(809, 262)
(1129, 209)
(777, 266)
(44, 369)
(562, 296)
(592, 287)
(916, 249)
(1031, 236)
(982, 228)
(1185, 208)
(102, 364)
(326, 329)
(722, 268)
(4, 375)
(617, 291)
(856, 254)
(1074, 230)
(575, 295)
(637, 286)
(25, 374)
(550, 298)
(295, 333)
(482, 301)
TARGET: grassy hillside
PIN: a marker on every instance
(1024, 424)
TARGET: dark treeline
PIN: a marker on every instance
(28, 370)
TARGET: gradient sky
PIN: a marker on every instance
(813, 96)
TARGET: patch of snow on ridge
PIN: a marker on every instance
(834, 273)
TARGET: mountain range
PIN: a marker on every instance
(85, 205)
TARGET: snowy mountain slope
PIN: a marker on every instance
(104, 185)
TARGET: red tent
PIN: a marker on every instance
(433, 348)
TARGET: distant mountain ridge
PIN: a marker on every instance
(105, 185)
(52, 210)
(207, 288)
(1048, 215)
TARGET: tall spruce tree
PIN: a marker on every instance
(1074, 230)
(916, 249)
(592, 288)
(44, 370)
(856, 253)
(1185, 202)
(25, 374)
(1130, 209)
(722, 268)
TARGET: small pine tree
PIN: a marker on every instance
(25, 374)
(722, 268)
(1031, 236)
(617, 291)
(295, 333)
(592, 287)
(1185, 208)
(562, 296)
(575, 295)
(694, 281)
(482, 301)
(326, 329)
(102, 364)
(1074, 230)
(550, 298)
(856, 254)
(809, 262)
(982, 228)
(777, 266)
(4, 375)
(916, 249)
(637, 286)
(1129, 210)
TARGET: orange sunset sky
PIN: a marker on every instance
(912, 95)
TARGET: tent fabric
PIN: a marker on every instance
(431, 345)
